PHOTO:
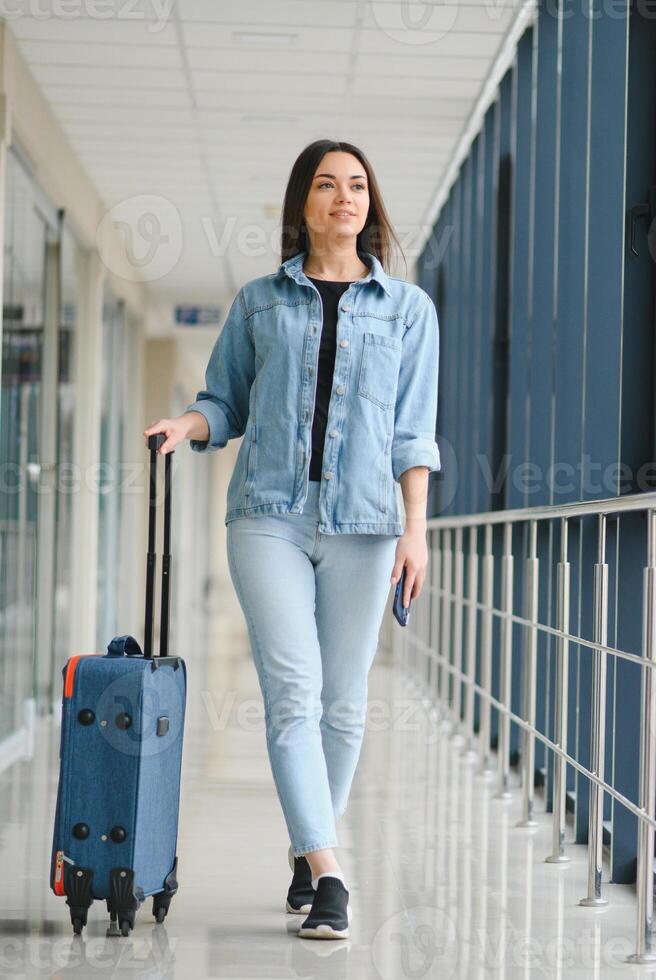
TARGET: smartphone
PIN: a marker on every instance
(401, 614)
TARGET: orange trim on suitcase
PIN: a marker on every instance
(70, 672)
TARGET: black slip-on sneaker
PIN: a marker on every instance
(330, 913)
(301, 893)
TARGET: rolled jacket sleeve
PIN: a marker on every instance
(415, 415)
(228, 379)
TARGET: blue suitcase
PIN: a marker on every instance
(116, 822)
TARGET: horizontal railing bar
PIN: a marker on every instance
(553, 630)
(640, 814)
(582, 508)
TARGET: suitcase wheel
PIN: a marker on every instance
(125, 918)
(161, 902)
(78, 889)
(122, 903)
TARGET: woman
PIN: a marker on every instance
(328, 368)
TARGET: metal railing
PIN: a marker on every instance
(432, 646)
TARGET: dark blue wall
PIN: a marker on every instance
(547, 351)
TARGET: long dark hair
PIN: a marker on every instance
(377, 234)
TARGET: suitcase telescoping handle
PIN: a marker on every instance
(154, 443)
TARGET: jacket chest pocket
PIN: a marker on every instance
(379, 369)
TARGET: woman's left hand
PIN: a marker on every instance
(411, 551)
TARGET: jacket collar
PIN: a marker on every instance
(293, 267)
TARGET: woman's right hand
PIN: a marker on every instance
(176, 430)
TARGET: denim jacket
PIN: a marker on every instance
(261, 383)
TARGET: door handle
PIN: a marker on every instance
(639, 211)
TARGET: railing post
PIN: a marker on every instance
(423, 633)
(445, 641)
(472, 620)
(531, 573)
(424, 624)
(505, 666)
(435, 603)
(458, 570)
(558, 855)
(594, 897)
(645, 952)
(485, 767)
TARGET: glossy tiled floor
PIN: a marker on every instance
(443, 884)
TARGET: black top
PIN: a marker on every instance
(331, 292)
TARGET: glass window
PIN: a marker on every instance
(25, 237)
(65, 455)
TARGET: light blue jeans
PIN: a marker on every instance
(313, 604)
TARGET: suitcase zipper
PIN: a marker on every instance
(59, 874)
(59, 871)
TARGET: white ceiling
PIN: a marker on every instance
(206, 103)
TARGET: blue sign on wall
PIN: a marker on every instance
(198, 316)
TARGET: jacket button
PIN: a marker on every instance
(343, 343)
(328, 475)
(333, 433)
(340, 390)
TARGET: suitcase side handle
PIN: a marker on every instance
(154, 443)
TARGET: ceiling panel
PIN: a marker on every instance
(113, 96)
(92, 30)
(262, 14)
(122, 55)
(90, 76)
